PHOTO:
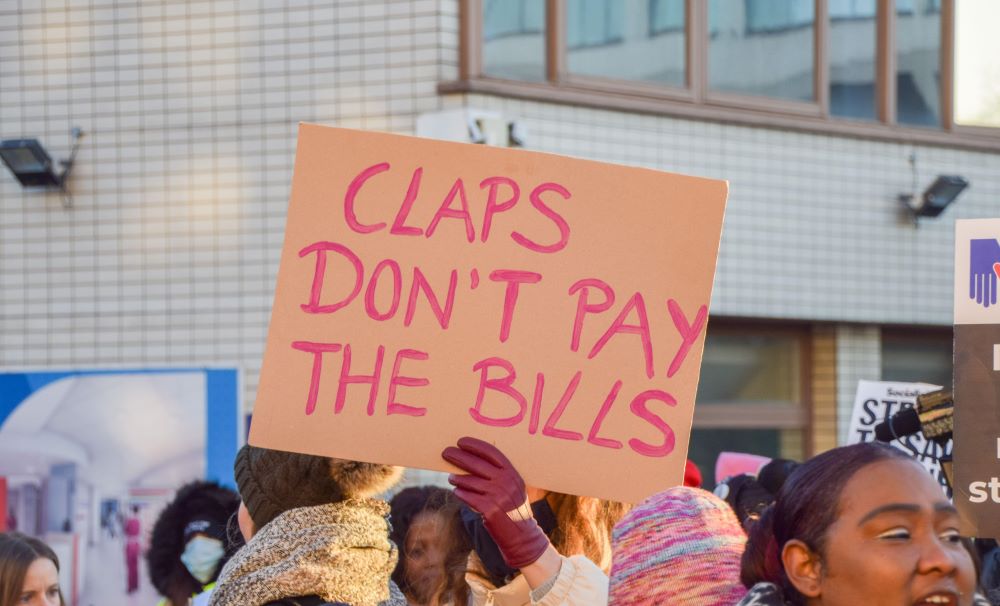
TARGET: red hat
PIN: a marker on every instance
(692, 475)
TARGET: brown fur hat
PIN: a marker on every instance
(273, 481)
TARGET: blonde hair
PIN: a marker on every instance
(583, 526)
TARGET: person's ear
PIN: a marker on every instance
(802, 567)
(247, 526)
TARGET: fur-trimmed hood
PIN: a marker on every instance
(359, 480)
(194, 501)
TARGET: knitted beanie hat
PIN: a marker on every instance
(680, 546)
(272, 481)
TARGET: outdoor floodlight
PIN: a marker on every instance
(29, 162)
(940, 194)
(32, 165)
(935, 198)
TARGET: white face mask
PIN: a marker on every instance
(201, 557)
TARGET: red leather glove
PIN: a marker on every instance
(495, 489)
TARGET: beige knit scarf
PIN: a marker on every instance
(340, 552)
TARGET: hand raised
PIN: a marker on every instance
(492, 487)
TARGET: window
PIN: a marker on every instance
(920, 358)
(852, 9)
(766, 16)
(881, 69)
(666, 16)
(762, 47)
(514, 39)
(750, 395)
(630, 40)
(918, 63)
(750, 368)
(853, 42)
(593, 23)
(977, 64)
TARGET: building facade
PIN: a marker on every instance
(819, 113)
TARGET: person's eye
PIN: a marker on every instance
(951, 535)
(895, 534)
(25, 599)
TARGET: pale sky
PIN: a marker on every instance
(977, 62)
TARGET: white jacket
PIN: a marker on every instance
(579, 583)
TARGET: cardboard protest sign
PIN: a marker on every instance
(977, 376)
(430, 290)
(876, 401)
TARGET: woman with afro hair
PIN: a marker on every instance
(190, 542)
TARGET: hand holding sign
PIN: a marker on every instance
(984, 255)
(495, 489)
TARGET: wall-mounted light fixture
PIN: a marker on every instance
(28, 161)
(472, 125)
(938, 195)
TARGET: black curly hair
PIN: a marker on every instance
(194, 501)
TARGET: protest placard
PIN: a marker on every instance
(977, 377)
(876, 401)
(429, 290)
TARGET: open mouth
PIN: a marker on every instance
(938, 598)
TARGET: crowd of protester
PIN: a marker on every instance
(859, 524)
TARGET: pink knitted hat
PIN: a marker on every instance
(680, 546)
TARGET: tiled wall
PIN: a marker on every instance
(190, 110)
(169, 253)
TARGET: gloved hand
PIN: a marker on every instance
(486, 548)
(495, 489)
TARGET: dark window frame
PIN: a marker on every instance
(695, 100)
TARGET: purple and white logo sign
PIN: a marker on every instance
(984, 267)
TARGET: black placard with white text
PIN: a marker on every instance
(977, 377)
